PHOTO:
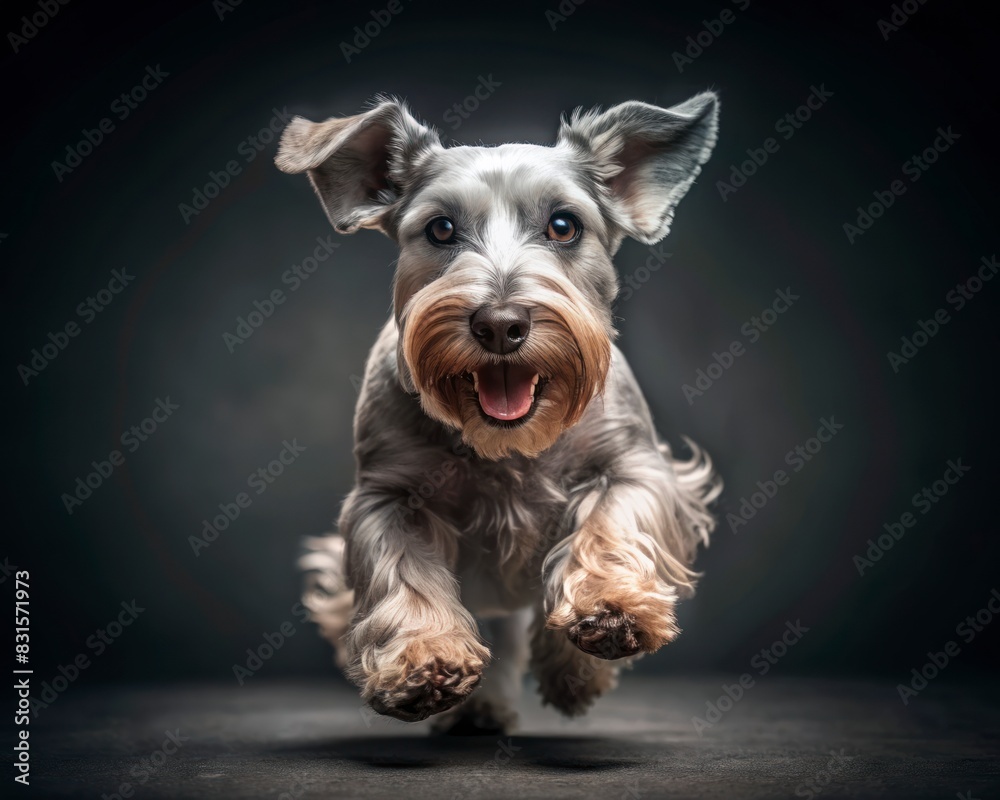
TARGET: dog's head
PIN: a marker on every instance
(504, 285)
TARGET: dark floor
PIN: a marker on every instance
(314, 741)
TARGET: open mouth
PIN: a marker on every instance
(508, 393)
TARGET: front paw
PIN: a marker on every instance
(428, 677)
(610, 629)
(606, 634)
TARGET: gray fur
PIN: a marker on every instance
(450, 521)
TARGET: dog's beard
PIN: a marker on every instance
(516, 403)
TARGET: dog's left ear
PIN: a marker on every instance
(647, 157)
(360, 165)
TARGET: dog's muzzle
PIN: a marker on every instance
(506, 390)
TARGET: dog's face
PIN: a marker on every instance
(505, 282)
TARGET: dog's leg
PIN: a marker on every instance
(568, 679)
(493, 707)
(412, 647)
(611, 587)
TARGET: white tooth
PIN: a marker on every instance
(534, 381)
(475, 382)
(532, 390)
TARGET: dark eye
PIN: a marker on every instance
(441, 231)
(563, 228)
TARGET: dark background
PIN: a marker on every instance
(296, 376)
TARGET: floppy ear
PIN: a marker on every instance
(359, 166)
(646, 157)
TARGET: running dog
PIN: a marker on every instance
(509, 476)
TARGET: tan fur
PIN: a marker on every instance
(609, 570)
(569, 347)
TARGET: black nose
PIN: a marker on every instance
(502, 329)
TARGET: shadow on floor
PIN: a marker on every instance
(578, 753)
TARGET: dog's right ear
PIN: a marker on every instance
(646, 157)
(359, 166)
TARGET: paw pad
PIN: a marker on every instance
(609, 634)
(430, 689)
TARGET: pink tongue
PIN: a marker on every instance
(505, 390)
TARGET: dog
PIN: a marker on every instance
(510, 486)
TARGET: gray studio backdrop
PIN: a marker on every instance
(778, 318)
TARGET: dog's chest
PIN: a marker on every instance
(508, 517)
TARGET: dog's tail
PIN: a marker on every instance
(325, 594)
